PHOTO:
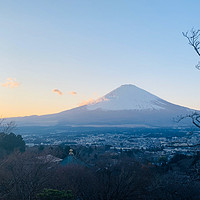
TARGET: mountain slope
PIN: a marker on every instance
(126, 105)
(129, 97)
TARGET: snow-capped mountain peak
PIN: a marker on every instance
(126, 105)
(128, 97)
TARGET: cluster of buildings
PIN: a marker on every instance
(187, 144)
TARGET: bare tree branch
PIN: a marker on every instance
(7, 127)
(193, 38)
(198, 66)
(194, 116)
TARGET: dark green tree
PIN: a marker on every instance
(52, 194)
(11, 142)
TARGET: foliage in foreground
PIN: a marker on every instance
(10, 142)
(52, 194)
(109, 175)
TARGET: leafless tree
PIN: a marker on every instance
(23, 175)
(125, 180)
(195, 117)
(7, 126)
(193, 37)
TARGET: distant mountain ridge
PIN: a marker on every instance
(127, 105)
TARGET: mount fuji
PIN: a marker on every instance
(127, 105)
(128, 97)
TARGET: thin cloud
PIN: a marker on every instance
(73, 93)
(92, 101)
(87, 102)
(57, 91)
(11, 83)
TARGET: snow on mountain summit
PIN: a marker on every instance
(126, 105)
(128, 97)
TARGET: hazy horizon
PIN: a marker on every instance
(58, 55)
(100, 99)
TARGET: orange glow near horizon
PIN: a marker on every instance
(29, 112)
(17, 109)
(54, 57)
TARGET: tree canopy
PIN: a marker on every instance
(10, 142)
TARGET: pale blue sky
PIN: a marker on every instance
(93, 47)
